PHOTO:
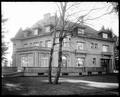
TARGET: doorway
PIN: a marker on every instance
(105, 63)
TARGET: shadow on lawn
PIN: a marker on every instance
(40, 86)
(12, 89)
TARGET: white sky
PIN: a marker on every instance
(25, 14)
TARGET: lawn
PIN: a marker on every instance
(86, 85)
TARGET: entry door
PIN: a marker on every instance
(105, 64)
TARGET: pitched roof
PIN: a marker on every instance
(89, 31)
(19, 34)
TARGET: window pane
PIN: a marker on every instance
(30, 44)
(48, 43)
(30, 60)
(80, 31)
(66, 42)
(80, 45)
(25, 45)
(96, 45)
(105, 48)
(36, 32)
(41, 44)
(47, 29)
(24, 61)
(36, 44)
(94, 60)
(105, 35)
(64, 61)
(43, 60)
(80, 62)
(92, 45)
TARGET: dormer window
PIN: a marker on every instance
(25, 34)
(47, 29)
(105, 35)
(36, 32)
(80, 31)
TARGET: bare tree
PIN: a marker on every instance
(62, 16)
(51, 52)
(63, 10)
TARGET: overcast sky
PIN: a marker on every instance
(25, 14)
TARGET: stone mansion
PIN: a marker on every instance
(86, 51)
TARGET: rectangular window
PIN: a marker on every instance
(41, 44)
(80, 45)
(48, 43)
(105, 35)
(36, 43)
(27, 60)
(25, 34)
(43, 60)
(94, 45)
(105, 48)
(66, 42)
(80, 61)
(30, 44)
(57, 35)
(30, 60)
(25, 45)
(94, 61)
(24, 61)
(36, 32)
(64, 61)
(80, 31)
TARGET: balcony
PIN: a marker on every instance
(33, 48)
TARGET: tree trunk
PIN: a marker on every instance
(50, 60)
(63, 8)
(50, 67)
(59, 62)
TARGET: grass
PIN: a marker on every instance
(38, 86)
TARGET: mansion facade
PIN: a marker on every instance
(86, 51)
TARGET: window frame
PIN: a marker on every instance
(105, 35)
(80, 31)
(65, 61)
(36, 32)
(48, 43)
(25, 45)
(82, 60)
(79, 47)
(103, 50)
(94, 61)
(47, 29)
(36, 43)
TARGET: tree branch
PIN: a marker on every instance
(99, 16)
(72, 6)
